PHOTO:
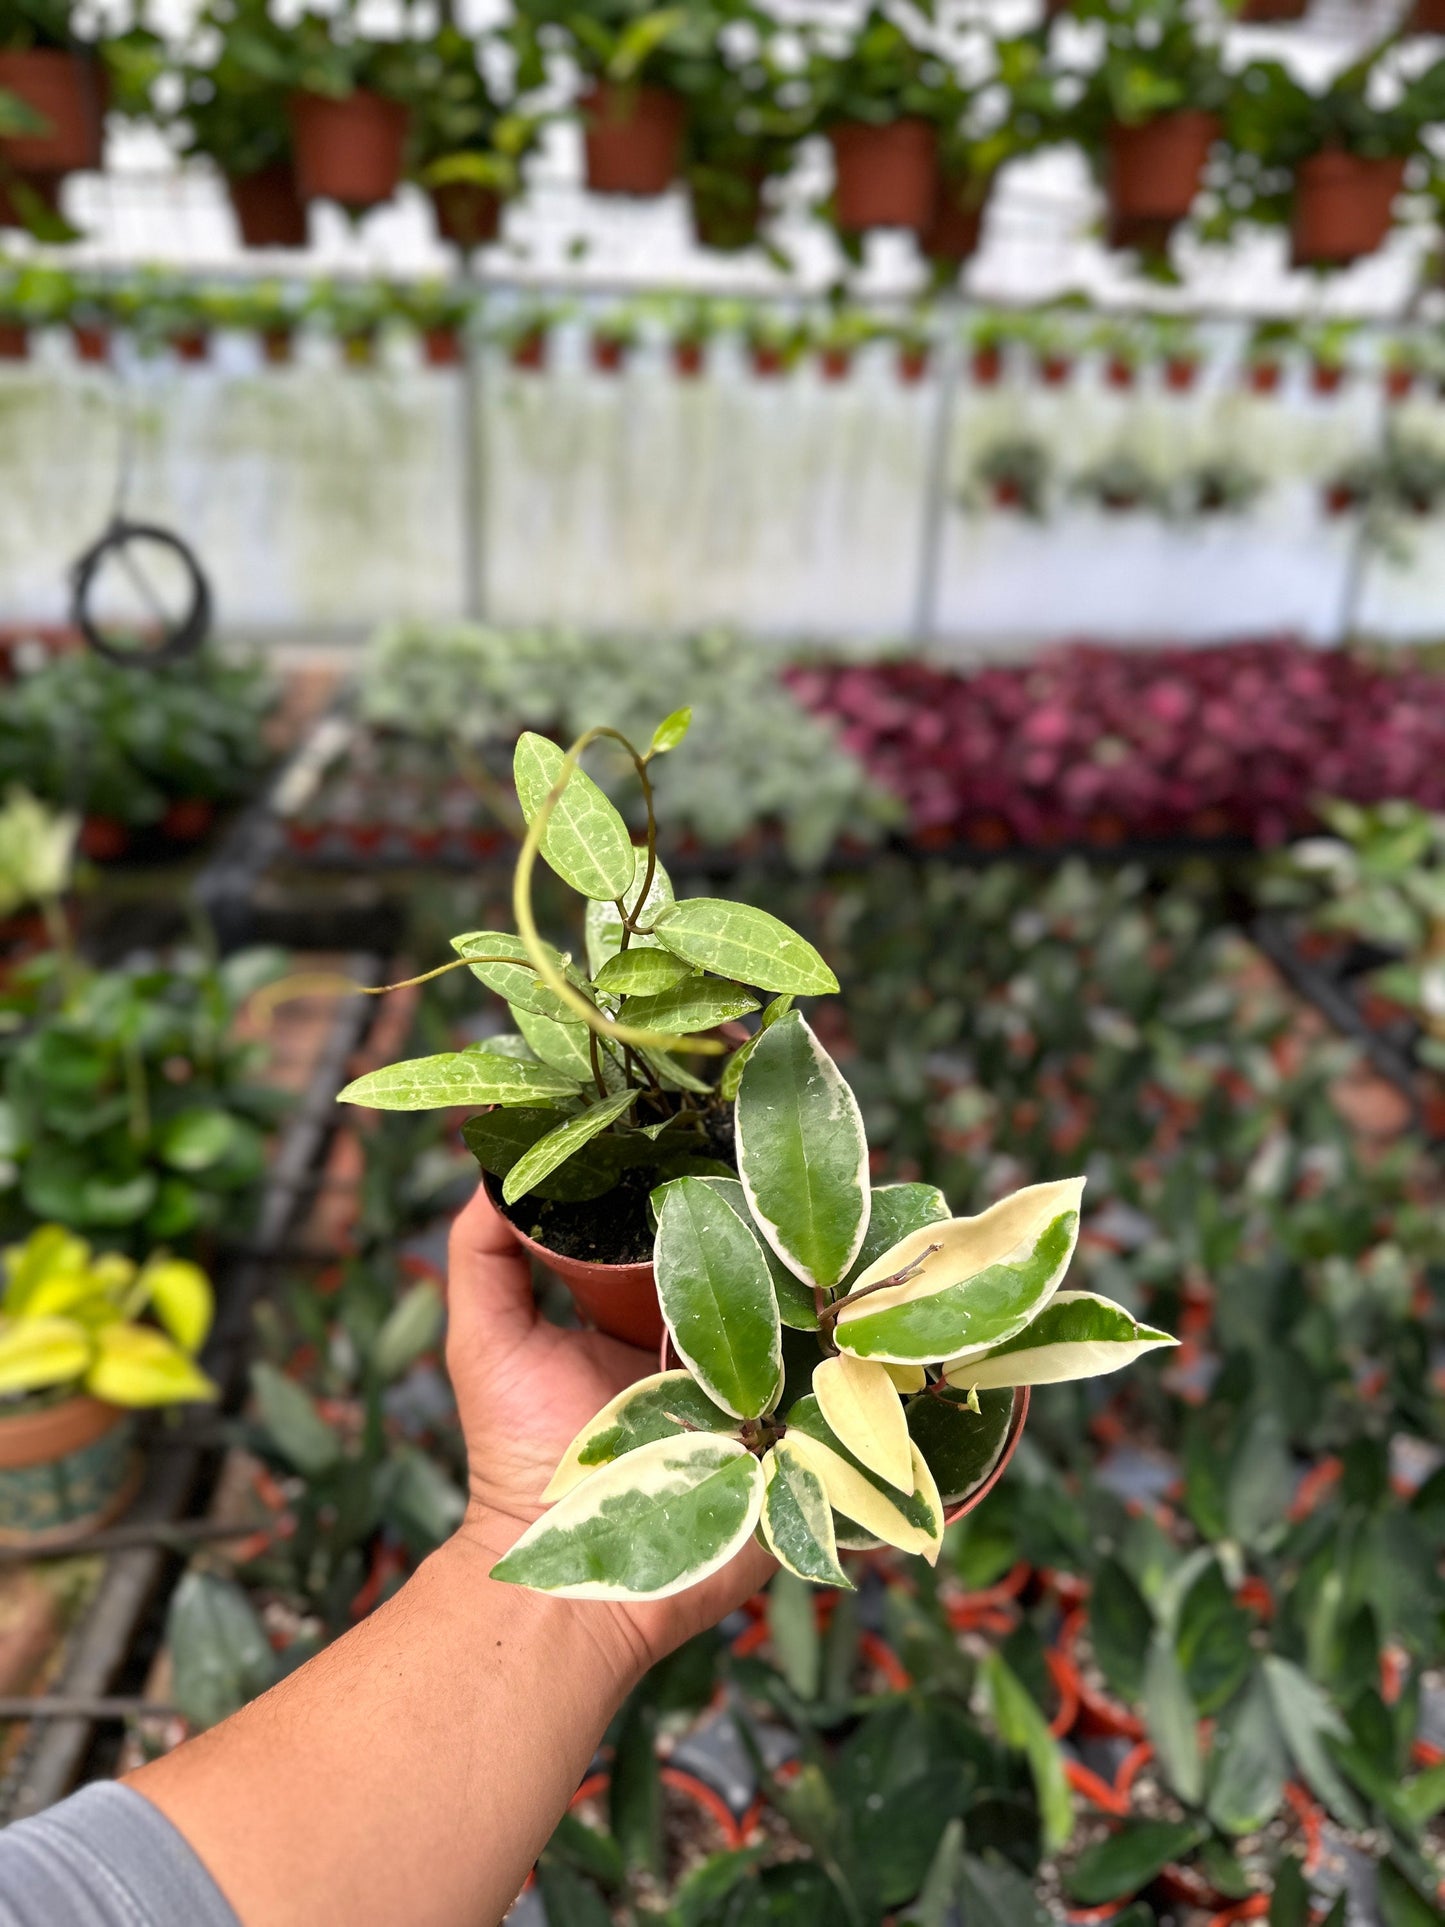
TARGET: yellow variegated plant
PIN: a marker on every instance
(70, 1322)
(849, 1354)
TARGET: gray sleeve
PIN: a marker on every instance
(105, 1858)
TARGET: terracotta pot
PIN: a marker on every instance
(1120, 373)
(728, 223)
(608, 356)
(467, 214)
(69, 90)
(1398, 383)
(277, 347)
(768, 362)
(1256, 13)
(1054, 370)
(348, 150)
(834, 364)
(1426, 16)
(987, 367)
(14, 341)
(885, 176)
(191, 344)
(912, 365)
(442, 348)
(65, 1470)
(632, 138)
(956, 225)
(268, 208)
(91, 341)
(1327, 377)
(688, 359)
(1343, 207)
(1180, 375)
(1265, 377)
(620, 1300)
(531, 351)
(1154, 170)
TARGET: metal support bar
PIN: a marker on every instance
(935, 486)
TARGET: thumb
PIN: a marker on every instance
(489, 1277)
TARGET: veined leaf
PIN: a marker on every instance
(650, 1524)
(1022, 1725)
(642, 972)
(673, 1075)
(557, 1146)
(797, 1521)
(137, 1366)
(735, 940)
(515, 978)
(37, 1352)
(802, 1154)
(586, 841)
(604, 924)
(1076, 1335)
(732, 1071)
(913, 1523)
(987, 1279)
(696, 1004)
(960, 1447)
(456, 1077)
(496, 1139)
(562, 1046)
(896, 1209)
(661, 1407)
(795, 1301)
(717, 1298)
(863, 1408)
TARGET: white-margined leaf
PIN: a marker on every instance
(514, 977)
(557, 1146)
(961, 1446)
(660, 1407)
(986, 1279)
(795, 1301)
(696, 1004)
(496, 1139)
(802, 1154)
(797, 1521)
(642, 971)
(456, 1077)
(862, 1406)
(913, 1523)
(1076, 1335)
(896, 1210)
(717, 1298)
(732, 1071)
(735, 940)
(586, 841)
(650, 1524)
(604, 924)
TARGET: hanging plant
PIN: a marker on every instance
(1222, 486)
(741, 137)
(776, 341)
(1269, 342)
(1016, 474)
(882, 103)
(466, 146)
(55, 89)
(1328, 346)
(1121, 484)
(233, 112)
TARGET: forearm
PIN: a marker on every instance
(415, 1769)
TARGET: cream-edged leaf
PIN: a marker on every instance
(802, 1153)
(796, 1307)
(717, 1298)
(972, 1284)
(907, 1378)
(586, 841)
(604, 922)
(913, 1523)
(557, 1146)
(797, 1521)
(736, 940)
(1076, 1335)
(650, 1524)
(861, 1404)
(732, 1070)
(896, 1210)
(455, 1077)
(660, 1407)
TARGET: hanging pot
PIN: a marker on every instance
(688, 359)
(726, 213)
(1255, 13)
(1426, 16)
(348, 150)
(1343, 207)
(953, 232)
(632, 137)
(620, 1300)
(442, 348)
(467, 214)
(268, 207)
(65, 1470)
(885, 176)
(68, 90)
(1154, 171)
(14, 341)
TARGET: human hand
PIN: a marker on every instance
(524, 1389)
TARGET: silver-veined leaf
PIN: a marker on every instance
(961, 1446)
(456, 1077)
(510, 972)
(735, 940)
(604, 924)
(796, 1306)
(896, 1210)
(496, 1139)
(650, 1524)
(1076, 1335)
(912, 1522)
(660, 1407)
(563, 1046)
(797, 1521)
(557, 1146)
(696, 1004)
(717, 1298)
(802, 1154)
(586, 841)
(862, 1406)
(640, 971)
(974, 1282)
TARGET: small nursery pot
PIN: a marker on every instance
(65, 1469)
(632, 138)
(728, 223)
(467, 214)
(91, 342)
(1426, 16)
(885, 176)
(268, 208)
(956, 225)
(1154, 168)
(14, 341)
(620, 1300)
(442, 348)
(1097, 1712)
(68, 90)
(1343, 206)
(348, 150)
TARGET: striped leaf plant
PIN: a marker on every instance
(848, 1355)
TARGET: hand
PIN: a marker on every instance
(524, 1390)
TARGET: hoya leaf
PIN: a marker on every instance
(736, 940)
(642, 973)
(37, 1352)
(717, 1298)
(862, 1406)
(181, 1296)
(510, 972)
(796, 1306)
(456, 1077)
(1307, 1719)
(907, 1378)
(671, 730)
(604, 921)
(1076, 1335)
(1117, 1867)
(497, 1139)
(802, 1154)
(913, 1523)
(507, 1043)
(672, 1075)
(1023, 1726)
(960, 1447)
(557, 1146)
(732, 1071)
(695, 1004)
(660, 1407)
(1248, 1765)
(973, 1283)
(896, 1210)
(412, 1327)
(563, 1047)
(134, 1365)
(797, 1521)
(1171, 1720)
(650, 1524)
(292, 1423)
(586, 841)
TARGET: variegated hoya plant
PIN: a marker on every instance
(849, 1355)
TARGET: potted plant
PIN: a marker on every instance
(31, 297)
(348, 105)
(915, 349)
(1407, 359)
(524, 335)
(1120, 345)
(691, 325)
(741, 137)
(439, 314)
(611, 339)
(911, 1335)
(838, 336)
(1016, 472)
(353, 313)
(1175, 343)
(988, 337)
(776, 341)
(1269, 341)
(233, 111)
(1223, 486)
(59, 84)
(1327, 343)
(466, 146)
(882, 102)
(75, 1360)
(1120, 483)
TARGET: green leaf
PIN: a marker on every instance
(196, 1139)
(961, 1448)
(412, 1327)
(496, 1139)
(732, 1071)
(735, 940)
(795, 1301)
(696, 1004)
(567, 1896)
(455, 1077)
(1289, 1903)
(647, 1526)
(934, 1905)
(717, 1298)
(1076, 1335)
(557, 1146)
(563, 1047)
(604, 924)
(660, 1407)
(1121, 1627)
(1213, 1641)
(1171, 1720)
(515, 977)
(797, 1521)
(291, 1421)
(1116, 1868)
(793, 1632)
(586, 841)
(1307, 1719)
(1261, 1482)
(1248, 1765)
(995, 1894)
(670, 731)
(1021, 1725)
(642, 973)
(896, 1210)
(634, 1793)
(912, 1522)
(802, 1154)
(220, 1655)
(974, 1281)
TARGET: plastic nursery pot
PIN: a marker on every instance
(1399, 382)
(835, 364)
(1119, 373)
(620, 1300)
(442, 348)
(872, 1650)
(688, 359)
(1154, 168)
(1343, 207)
(277, 347)
(348, 150)
(467, 214)
(14, 341)
(1327, 377)
(1265, 377)
(1098, 1713)
(268, 208)
(1426, 16)
(768, 362)
(191, 345)
(986, 367)
(885, 176)
(188, 818)
(530, 350)
(912, 365)
(103, 838)
(1054, 370)
(727, 222)
(956, 224)
(609, 356)
(632, 137)
(1180, 374)
(65, 1469)
(68, 90)
(90, 341)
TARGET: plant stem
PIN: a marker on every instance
(828, 1315)
(595, 1054)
